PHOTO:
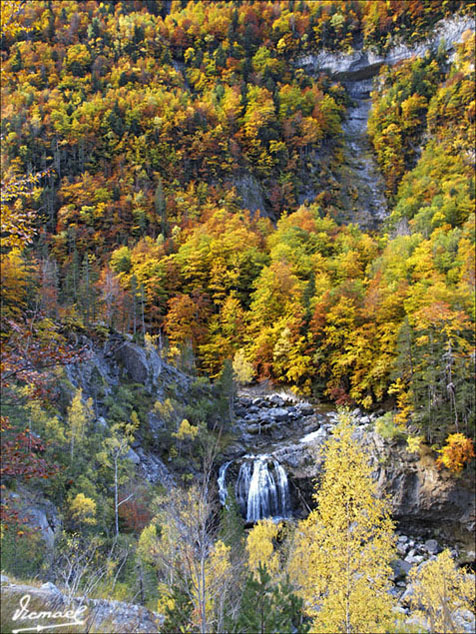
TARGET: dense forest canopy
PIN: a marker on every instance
(140, 122)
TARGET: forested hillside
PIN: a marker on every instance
(181, 215)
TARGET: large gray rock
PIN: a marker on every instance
(133, 457)
(400, 568)
(95, 374)
(278, 413)
(306, 409)
(37, 519)
(418, 489)
(142, 365)
(408, 594)
(464, 620)
(134, 360)
(431, 546)
(276, 400)
(251, 193)
(153, 469)
(50, 587)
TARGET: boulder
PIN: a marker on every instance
(100, 615)
(464, 621)
(101, 424)
(133, 457)
(431, 546)
(306, 409)
(154, 470)
(408, 594)
(37, 519)
(400, 568)
(50, 587)
(417, 489)
(278, 413)
(134, 360)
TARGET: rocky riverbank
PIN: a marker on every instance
(414, 554)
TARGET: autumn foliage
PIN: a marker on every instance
(457, 451)
(153, 162)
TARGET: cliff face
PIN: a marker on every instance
(289, 429)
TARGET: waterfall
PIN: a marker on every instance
(242, 487)
(261, 488)
(222, 492)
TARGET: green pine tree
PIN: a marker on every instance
(267, 607)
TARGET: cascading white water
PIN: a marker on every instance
(261, 488)
(242, 486)
(222, 492)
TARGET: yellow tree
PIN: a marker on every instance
(83, 510)
(242, 369)
(79, 415)
(116, 448)
(260, 547)
(341, 555)
(439, 590)
(180, 543)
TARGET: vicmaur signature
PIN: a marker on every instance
(24, 616)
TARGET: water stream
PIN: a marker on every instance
(369, 200)
(261, 488)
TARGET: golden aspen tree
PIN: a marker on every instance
(116, 448)
(79, 414)
(242, 369)
(439, 590)
(260, 547)
(190, 564)
(83, 510)
(341, 554)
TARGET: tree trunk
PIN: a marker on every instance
(116, 505)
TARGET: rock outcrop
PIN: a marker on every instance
(121, 361)
(92, 615)
(363, 64)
